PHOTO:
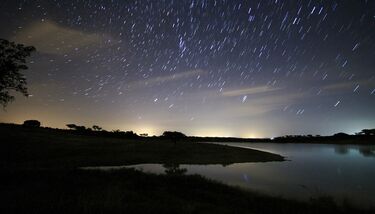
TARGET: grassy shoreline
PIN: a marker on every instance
(41, 148)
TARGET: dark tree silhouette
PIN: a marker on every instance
(127, 134)
(96, 128)
(341, 135)
(367, 132)
(31, 123)
(71, 126)
(77, 128)
(174, 136)
(12, 62)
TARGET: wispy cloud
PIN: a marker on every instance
(164, 79)
(249, 91)
(338, 86)
(345, 86)
(261, 104)
(52, 38)
(262, 101)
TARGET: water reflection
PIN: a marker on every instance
(341, 149)
(365, 151)
(341, 171)
(174, 169)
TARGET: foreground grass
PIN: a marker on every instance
(130, 191)
(47, 148)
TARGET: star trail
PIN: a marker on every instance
(204, 67)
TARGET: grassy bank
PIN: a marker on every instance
(41, 148)
(129, 191)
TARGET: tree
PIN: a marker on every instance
(126, 134)
(71, 126)
(144, 135)
(31, 123)
(341, 135)
(96, 128)
(130, 134)
(77, 128)
(367, 132)
(174, 136)
(12, 62)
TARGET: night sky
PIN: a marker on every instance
(204, 67)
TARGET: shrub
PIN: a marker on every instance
(31, 123)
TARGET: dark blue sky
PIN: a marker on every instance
(224, 68)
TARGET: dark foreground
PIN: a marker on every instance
(129, 191)
(39, 171)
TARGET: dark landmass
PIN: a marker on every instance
(35, 147)
(40, 174)
(340, 138)
(365, 137)
(334, 139)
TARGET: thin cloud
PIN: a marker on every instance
(345, 86)
(49, 37)
(338, 86)
(164, 79)
(249, 91)
(259, 104)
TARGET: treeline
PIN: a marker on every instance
(366, 136)
(229, 139)
(96, 130)
(99, 131)
(175, 136)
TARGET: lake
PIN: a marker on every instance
(312, 170)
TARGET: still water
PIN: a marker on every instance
(343, 172)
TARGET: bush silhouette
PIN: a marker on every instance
(367, 132)
(174, 136)
(341, 135)
(96, 128)
(71, 126)
(31, 123)
(75, 127)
